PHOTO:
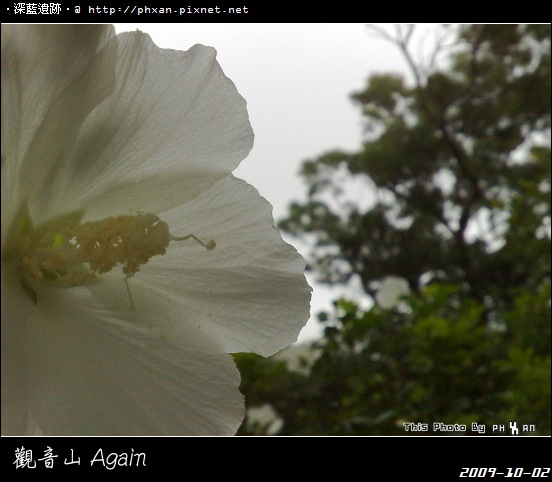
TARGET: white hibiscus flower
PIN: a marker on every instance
(390, 291)
(263, 420)
(115, 321)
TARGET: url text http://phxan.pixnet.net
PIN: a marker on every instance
(183, 10)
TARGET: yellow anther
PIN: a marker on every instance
(58, 239)
(69, 253)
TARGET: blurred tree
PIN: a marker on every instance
(458, 162)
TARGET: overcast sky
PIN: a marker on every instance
(297, 80)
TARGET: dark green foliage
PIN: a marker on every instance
(429, 360)
(458, 164)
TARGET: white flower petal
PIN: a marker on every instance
(52, 78)
(249, 293)
(93, 374)
(16, 308)
(173, 126)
